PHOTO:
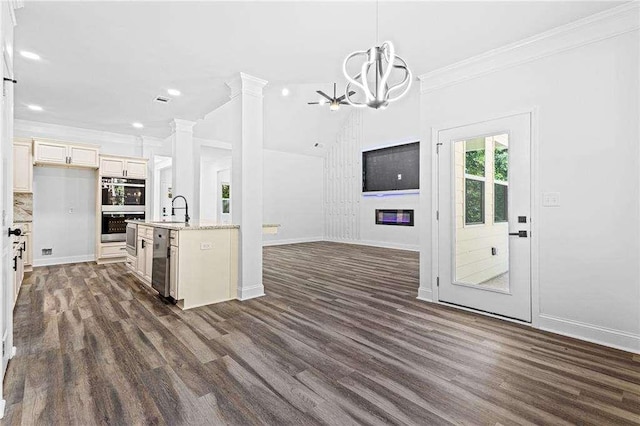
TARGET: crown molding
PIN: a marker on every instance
(246, 84)
(600, 26)
(180, 125)
(31, 129)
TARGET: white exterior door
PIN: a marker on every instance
(484, 205)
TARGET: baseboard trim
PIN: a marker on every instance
(63, 260)
(591, 333)
(381, 244)
(250, 292)
(425, 295)
(291, 241)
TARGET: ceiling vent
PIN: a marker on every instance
(162, 100)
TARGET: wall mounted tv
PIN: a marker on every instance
(395, 168)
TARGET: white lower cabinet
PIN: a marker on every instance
(173, 272)
(144, 261)
(140, 264)
(148, 259)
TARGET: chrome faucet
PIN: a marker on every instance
(185, 208)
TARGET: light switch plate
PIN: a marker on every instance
(551, 199)
(206, 246)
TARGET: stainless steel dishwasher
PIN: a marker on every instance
(160, 271)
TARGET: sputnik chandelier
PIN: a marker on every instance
(379, 61)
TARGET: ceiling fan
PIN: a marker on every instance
(335, 102)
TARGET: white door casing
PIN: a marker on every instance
(516, 303)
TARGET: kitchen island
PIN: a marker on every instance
(194, 265)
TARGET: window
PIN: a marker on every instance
(474, 202)
(226, 199)
(500, 200)
(474, 170)
(501, 186)
(501, 158)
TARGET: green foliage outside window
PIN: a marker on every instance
(500, 202)
(474, 162)
(474, 201)
(226, 204)
(501, 156)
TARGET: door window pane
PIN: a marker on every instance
(501, 163)
(474, 202)
(500, 202)
(474, 157)
(481, 212)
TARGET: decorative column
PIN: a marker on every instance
(186, 167)
(246, 180)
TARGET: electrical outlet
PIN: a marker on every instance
(206, 246)
(47, 252)
(399, 176)
(551, 199)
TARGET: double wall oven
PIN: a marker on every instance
(122, 199)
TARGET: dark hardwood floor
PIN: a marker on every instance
(339, 339)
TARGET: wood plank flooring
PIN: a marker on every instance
(339, 339)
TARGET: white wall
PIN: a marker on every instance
(587, 137)
(350, 215)
(293, 188)
(71, 235)
(164, 202)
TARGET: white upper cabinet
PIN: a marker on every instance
(64, 154)
(123, 167)
(22, 167)
(50, 152)
(136, 169)
(83, 156)
(111, 167)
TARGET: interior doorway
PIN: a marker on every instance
(484, 209)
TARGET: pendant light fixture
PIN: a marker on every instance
(381, 62)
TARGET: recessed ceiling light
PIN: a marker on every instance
(285, 92)
(137, 125)
(173, 92)
(29, 55)
(34, 107)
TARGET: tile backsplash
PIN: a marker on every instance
(22, 207)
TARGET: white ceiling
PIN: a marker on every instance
(103, 62)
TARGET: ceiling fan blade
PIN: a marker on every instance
(341, 98)
(321, 93)
(313, 103)
(344, 103)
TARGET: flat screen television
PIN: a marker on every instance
(395, 168)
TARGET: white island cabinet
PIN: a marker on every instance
(202, 259)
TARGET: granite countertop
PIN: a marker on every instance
(193, 226)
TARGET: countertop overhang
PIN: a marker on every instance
(199, 226)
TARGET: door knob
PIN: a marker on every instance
(521, 234)
(17, 232)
